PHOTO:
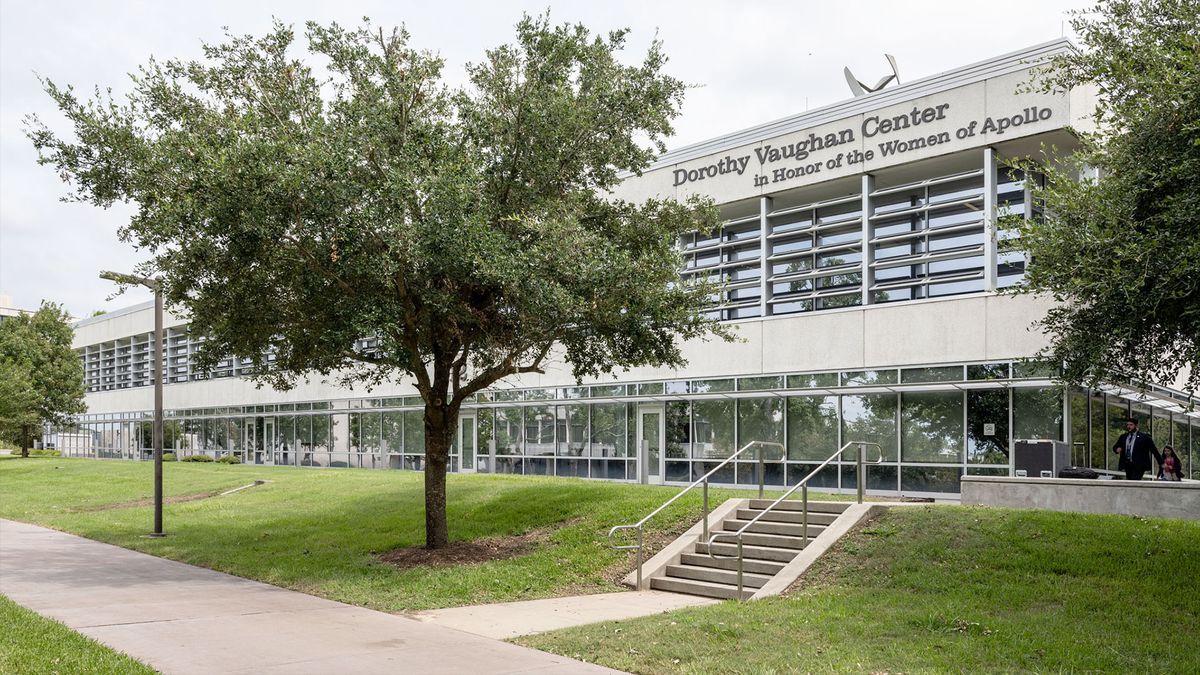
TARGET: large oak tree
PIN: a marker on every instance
(296, 206)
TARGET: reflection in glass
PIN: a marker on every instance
(608, 436)
(929, 479)
(539, 430)
(761, 419)
(393, 431)
(414, 432)
(571, 431)
(1038, 413)
(871, 417)
(712, 429)
(678, 430)
(508, 431)
(1118, 412)
(984, 408)
(932, 424)
(812, 423)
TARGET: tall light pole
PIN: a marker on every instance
(156, 286)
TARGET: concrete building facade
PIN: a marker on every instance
(862, 264)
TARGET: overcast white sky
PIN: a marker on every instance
(754, 62)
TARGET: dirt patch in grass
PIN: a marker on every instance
(463, 552)
(149, 501)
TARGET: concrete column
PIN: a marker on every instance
(868, 252)
(989, 219)
(764, 207)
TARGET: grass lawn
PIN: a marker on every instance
(932, 589)
(31, 643)
(320, 530)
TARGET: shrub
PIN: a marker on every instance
(38, 452)
(197, 458)
(168, 457)
(230, 459)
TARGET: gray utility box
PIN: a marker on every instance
(1040, 458)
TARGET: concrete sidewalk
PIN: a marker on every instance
(509, 619)
(183, 619)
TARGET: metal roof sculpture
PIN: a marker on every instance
(861, 89)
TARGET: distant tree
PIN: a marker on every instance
(1121, 252)
(41, 376)
(471, 232)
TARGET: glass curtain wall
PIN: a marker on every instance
(932, 430)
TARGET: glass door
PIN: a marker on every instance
(650, 432)
(467, 441)
(269, 440)
(251, 445)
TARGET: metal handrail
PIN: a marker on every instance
(639, 526)
(803, 486)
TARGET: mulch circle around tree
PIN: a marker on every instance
(464, 552)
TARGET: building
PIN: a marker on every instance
(7, 310)
(859, 249)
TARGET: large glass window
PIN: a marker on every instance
(761, 419)
(871, 417)
(812, 427)
(539, 430)
(369, 430)
(393, 432)
(712, 429)
(1038, 413)
(987, 426)
(572, 430)
(678, 428)
(414, 432)
(608, 434)
(285, 432)
(932, 424)
(508, 431)
(1098, 451)
(930, 479)
(1118, 412)
(1079, 428)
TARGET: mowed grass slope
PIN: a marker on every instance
(31, 644)
(320, 530)
(945, 589)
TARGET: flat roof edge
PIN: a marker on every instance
(932, 84)
(92, 320)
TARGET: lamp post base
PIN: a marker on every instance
(155, 535)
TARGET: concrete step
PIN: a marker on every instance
(748, 565)
(717, 576)
(750, 552)
(772, 540)
(704, 588)
(766, 527)
(797, 505)
(789, 516)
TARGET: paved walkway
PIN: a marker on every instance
(184, 619)
(510, 619)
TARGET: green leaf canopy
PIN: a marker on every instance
(349, 214)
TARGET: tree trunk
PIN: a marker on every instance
(440, 426)
(25, 441)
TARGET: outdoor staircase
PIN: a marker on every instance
(768, 546)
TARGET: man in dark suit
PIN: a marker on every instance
(1135, 449)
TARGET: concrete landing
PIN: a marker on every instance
(510, 619)
(182, 619)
